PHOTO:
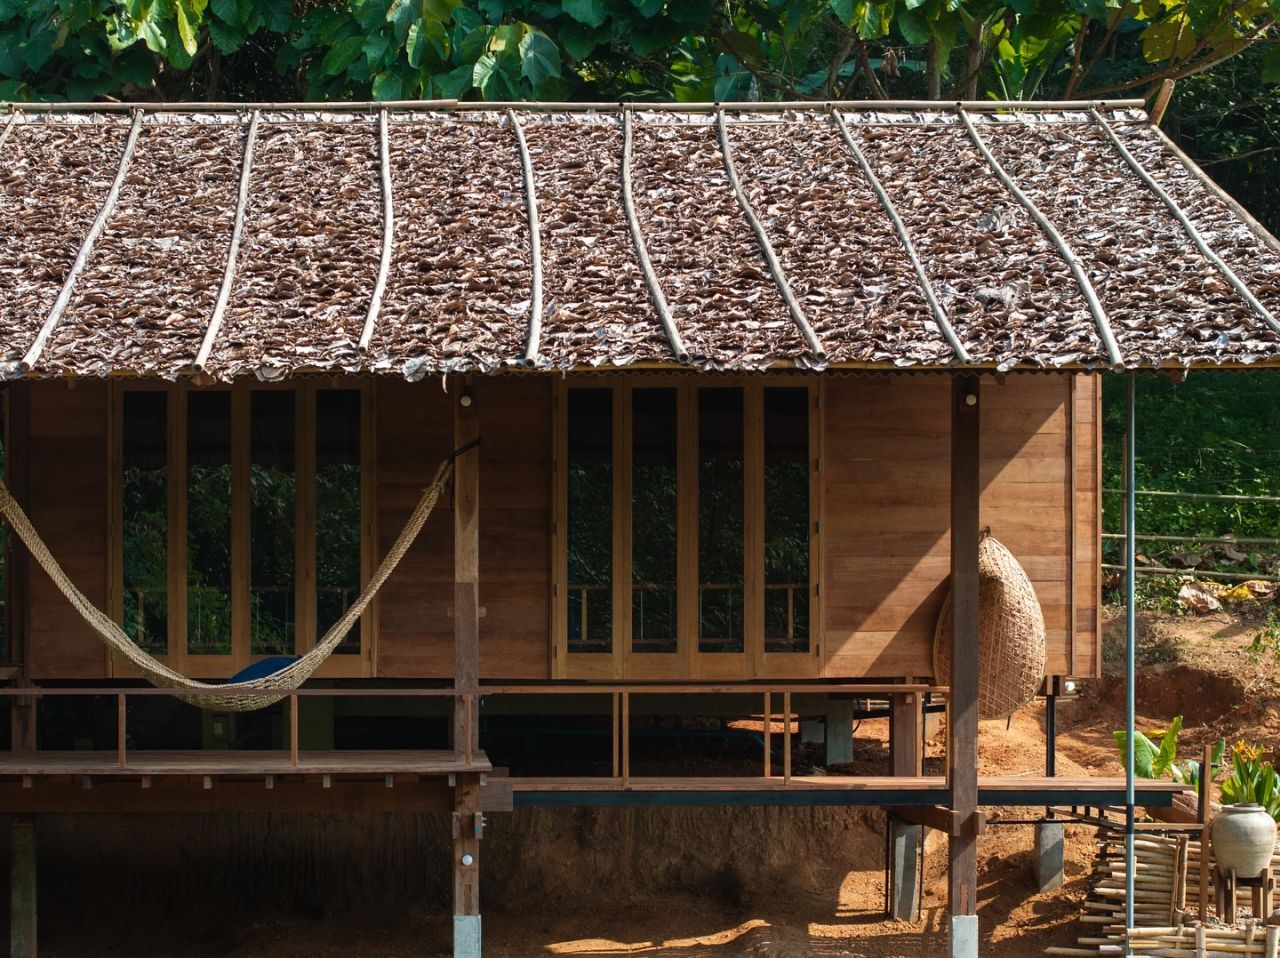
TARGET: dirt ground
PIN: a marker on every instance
(796, 882)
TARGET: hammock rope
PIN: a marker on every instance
(284, 680)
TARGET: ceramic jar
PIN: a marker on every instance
(1244, 838)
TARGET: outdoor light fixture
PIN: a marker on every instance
(468, 860)
(465, 399)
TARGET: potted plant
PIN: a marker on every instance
(1243, 834)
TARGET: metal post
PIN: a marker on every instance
(1130, 526)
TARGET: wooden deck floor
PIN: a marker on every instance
(874, 790)
(241, 763)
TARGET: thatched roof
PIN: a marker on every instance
(251, 242)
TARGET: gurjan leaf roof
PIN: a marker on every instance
(421, 239)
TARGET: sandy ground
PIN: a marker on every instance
(795, 882)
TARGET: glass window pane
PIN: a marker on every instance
(590, 540)
(786, 520)
(653, 520)
(272, 490)
(209, 523)
(337, 510)
(720, 508)
(145, 514)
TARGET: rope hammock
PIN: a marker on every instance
(284, 680)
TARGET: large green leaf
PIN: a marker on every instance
(539, 61)
(1144, 752)
(494, 76)
(427, 46)
(439, 9)
(1168, 749)
(1169, 39)
(590, 12)
(388, 85)
(341, 55)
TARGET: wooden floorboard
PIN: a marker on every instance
(228, 762)
(836, 783)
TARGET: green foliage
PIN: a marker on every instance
(1217, 432)
(1155, 761)
(603, 49)
(1252, 781)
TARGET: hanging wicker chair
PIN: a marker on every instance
(1011, 641)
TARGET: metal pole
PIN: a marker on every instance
(1130, 526)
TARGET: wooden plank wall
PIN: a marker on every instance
(68, 507)
(415, 430)
(887, 493)
(885, 541)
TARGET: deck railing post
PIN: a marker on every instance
(767, 729)
(786, 738)
(121, 737)
(293, 730)
(962, 729)
(626, 738)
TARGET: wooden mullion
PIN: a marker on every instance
(177, 533)
(304, 511)
(368, 523)
(622, 558)
(753, 573)
(560, 532)
(687, 526)
(817, 525)
(115, 513)
(241, 469)
(1072, 544)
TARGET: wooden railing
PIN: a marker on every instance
(620, 695)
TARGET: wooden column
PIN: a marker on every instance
(905, 838)
(466, 567)
(467, 825)
(18, 476)
(962, 731)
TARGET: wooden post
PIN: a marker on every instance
(467, 826)
(962, 729)
(22, 888)
(904, 838)
(466, 564)
(22, 711)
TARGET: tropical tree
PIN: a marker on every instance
(665, 49)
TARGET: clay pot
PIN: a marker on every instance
(1243, 837)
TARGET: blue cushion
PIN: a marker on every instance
(263, 667)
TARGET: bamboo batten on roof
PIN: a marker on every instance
(388, 235)
(441, 237)
(926, 285)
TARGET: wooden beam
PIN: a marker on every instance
(962, 727)
(466, 564)
(1161, 102)
(942, 819)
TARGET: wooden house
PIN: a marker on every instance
(746, 383)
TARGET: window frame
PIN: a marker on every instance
(687, 662)
(221, 666)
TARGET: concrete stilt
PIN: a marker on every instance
(812, 731)
(904, 870)
(22, 889)
(964, 936)
(839, 732)
(1049, 855)
(468, 823)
